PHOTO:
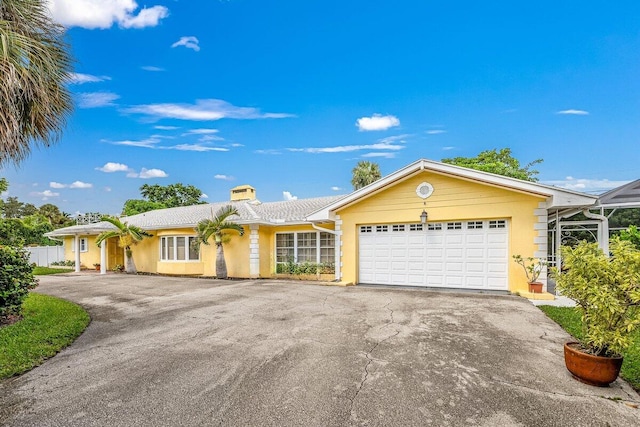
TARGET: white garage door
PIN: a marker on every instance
(464, 254)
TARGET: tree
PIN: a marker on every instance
(137, 206)
(218, 227)
(172, 195)
(34, 68)
(128, 235)
(56, 218)
(364, 174)
(12, 208)
(498, 162)
(4, 185)
(161, 197)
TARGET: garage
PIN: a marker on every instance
(469, 254)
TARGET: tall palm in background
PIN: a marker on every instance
(34, 68)
(218, 227)
(364, 174)
(128, 235)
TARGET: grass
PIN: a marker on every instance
(49, 324)
(570, 319)
(43, 271)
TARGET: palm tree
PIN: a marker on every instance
(34, 68)
(128, 235)
(217, 227)
(364, 174)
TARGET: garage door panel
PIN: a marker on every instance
(465, 254)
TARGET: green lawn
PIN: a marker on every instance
(42, 271)
(569, 319)
(49, 325)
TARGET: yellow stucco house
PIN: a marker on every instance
(428, 224)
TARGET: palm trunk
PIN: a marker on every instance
(130, 265)
(221, 265)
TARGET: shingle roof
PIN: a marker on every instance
(625, 195)
(250, 212)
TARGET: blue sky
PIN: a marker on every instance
(289, 95)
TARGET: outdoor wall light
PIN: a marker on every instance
(423, 217)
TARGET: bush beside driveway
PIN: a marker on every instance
(175, 351)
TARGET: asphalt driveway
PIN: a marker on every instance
(174, 351)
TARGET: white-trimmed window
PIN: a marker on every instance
(84, 246)
(308, 246)
(179, 248)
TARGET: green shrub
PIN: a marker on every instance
(66, 263)
(16, 278)
(631, 234)
(607, 292)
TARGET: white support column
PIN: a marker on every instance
(254, 251)
(338, 248)
(541, 240)
(76, 243)
(103, 257)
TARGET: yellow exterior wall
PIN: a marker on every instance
(266, 240)
(452, 199)
(87, 259)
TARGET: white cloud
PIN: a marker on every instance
(46, 194)
(54, 184)
(105, 13)
(80, 184)
(107, 189)
(288, 196)
(268, 151)
(80, 78)
(190, 42)
(448, 148)
(152, 68)
(336, 188)
(200, 132)
(96, 99)
(224, 177)
(384, 155)
(235, 144)
(349, 148)
(110, 167)
(377, 122)
(203, 110)
(148, 173)
(145, 143)
(573, 112)
(194, 147)
(586, 185)
(207, 138)
(204, 196)
(436, 131)
(159, 127)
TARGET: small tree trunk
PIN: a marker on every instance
(130, 265)
(221, 265)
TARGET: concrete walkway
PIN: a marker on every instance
(195, 352)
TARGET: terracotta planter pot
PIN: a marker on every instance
(535, 287)
(593, 370)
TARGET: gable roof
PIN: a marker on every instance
(627, 195)
(556, 197)
(250, 212)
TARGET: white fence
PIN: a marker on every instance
(45, 255)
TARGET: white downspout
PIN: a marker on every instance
(336, 248)
(603, 230)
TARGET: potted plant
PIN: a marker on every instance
(532, 269)
(97, 266)
(607, 292)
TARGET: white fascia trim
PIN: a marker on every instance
(555, 196)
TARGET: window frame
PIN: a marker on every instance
(84, 245)
(164, 248)
(318, 246)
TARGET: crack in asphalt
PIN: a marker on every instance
(370, 359)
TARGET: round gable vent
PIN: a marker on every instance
(424, 190)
